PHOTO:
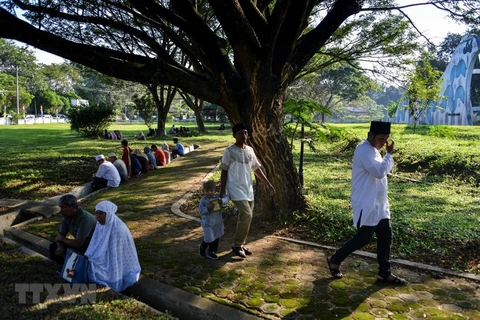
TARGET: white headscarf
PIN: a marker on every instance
(112, 255)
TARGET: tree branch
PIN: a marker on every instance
(110, 62)
(255, 17)
(238, 30)
(311, 42)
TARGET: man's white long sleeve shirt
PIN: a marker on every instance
(369, 185)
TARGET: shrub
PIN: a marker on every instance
(334, 133)
(90, 121)
(442, 132)
(16, 117)
(347, 146)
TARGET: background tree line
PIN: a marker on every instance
(338, 87)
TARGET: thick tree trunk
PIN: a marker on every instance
(267, 138)
(160, 103)
(278, 159)
(196, 105)
(199, 118)
(163, 102)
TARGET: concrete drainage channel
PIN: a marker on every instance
(160, 296)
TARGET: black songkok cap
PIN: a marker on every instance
(380, 127)
(238, 127)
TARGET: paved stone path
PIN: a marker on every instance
(290, 280)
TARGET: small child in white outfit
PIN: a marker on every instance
(212, 220)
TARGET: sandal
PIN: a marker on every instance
(247, 252)
(335, 272)
(391, 279)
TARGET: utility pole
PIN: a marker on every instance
(300, 169)
(18, 99)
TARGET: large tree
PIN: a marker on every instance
(242, 54)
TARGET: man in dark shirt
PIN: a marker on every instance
(78, 222)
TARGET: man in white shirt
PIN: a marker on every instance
(238, 162)
(371, 211)
(107, 175)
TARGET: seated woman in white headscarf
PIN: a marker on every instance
(112, 255)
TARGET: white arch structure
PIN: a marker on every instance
(456, 107)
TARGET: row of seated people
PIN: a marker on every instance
(114, 135)
(113, 171)
(153, 132)
(181, 131)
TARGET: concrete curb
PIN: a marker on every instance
(183, 304)
(33, 242)
(24, 211)
(81, 193)
(21, 212)
(176, 206)
(23, 248)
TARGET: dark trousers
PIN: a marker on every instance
(53, 247)
(99, 183)
(212, 246)
(364, 235)
(175, 153)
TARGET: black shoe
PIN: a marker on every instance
(247, 252)
(201, 251)
(212, 255)
(238, 251)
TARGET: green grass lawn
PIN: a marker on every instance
(433, 192)
(43, 160)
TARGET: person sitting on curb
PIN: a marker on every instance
(119, 134)
(112, 256)
(120, 165)
(136, 166)
(126, 150)
(142, 158)
(107, 175)
(159, 155)
(166, 151)
(77, 222)
(179, 149)
(152, 162)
